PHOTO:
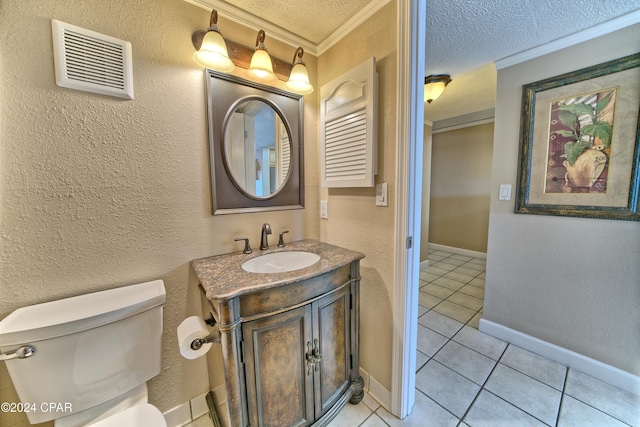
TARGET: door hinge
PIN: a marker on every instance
(409, 242)
(350, 301)
(351, 361)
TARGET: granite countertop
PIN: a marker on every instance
(223, 278)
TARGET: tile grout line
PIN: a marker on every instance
(449, 339)
(564, 387)
(586, 403)
(526, 375)
(484, 383)
(562, 392)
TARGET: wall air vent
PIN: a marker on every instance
(92, 62)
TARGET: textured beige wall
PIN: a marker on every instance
(354, 220)
(572, 282)
(460, 187)
(98, 192)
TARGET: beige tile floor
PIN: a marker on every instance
(466, 378)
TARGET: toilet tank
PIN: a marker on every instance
(88, 349)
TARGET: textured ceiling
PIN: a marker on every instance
(464, 34)
(464, 37)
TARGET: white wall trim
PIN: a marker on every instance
(187, 412)
(178, 416)
(459, 251)
(408, 190)
(247, 19)
(376, 390)
(361, 16)
(243, 17)
(463, 125)
(571, 40)
(602, 371)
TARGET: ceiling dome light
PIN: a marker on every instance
(434, 86)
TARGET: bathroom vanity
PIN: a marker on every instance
(290, 338)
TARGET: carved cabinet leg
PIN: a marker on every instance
(357, 385)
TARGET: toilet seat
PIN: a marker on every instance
(136, 416)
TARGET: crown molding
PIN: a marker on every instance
(571, 40)
(240, 16)
(361, 16)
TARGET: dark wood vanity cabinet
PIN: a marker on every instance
(290, 341)
(298, 362)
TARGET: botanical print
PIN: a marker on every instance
(579, 148)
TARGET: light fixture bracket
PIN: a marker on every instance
(297, 57)
(433, 78)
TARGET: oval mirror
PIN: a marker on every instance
(257, 148)
(256, 145)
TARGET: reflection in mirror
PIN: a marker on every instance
(257, 148)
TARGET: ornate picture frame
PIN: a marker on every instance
(580, 143)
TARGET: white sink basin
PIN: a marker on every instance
(279, 262)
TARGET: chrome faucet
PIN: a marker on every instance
(264, 242)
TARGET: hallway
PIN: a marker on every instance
(466, 378)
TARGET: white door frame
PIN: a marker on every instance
(410, 128)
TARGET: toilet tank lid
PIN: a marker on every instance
(70, 315)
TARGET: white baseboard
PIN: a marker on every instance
(219, 395)
(187, 412)
(602, 371)
(376, 390)
(460, 251)
(424, 264)
(178, 416)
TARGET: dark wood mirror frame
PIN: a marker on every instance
(223, 92)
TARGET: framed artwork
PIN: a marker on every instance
(580, 141)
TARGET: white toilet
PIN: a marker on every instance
(86, 360)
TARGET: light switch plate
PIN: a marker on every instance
(381, 194)
(324, 209)
(505, 192)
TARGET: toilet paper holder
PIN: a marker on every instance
(213, 337)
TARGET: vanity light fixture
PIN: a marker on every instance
(261, 68)
(216, 53)
(299, 78)
(434, 86)
(213, 50)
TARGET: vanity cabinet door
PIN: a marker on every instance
(332, 327)
(279, 388)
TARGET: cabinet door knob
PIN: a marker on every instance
(317, 357)
(311, 360)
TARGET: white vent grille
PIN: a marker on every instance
(348, 104)
(346, 147)
(89, 61)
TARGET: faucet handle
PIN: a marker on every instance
(247, 247)
(281, 239)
